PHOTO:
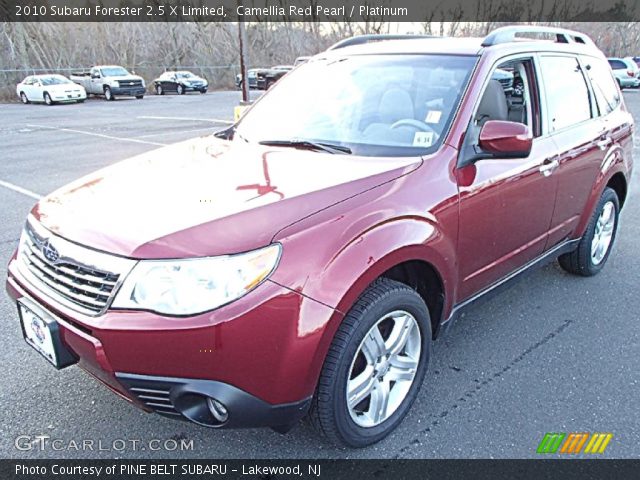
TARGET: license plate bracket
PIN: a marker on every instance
(42, 332)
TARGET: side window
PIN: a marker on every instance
(511, 95)
(617, 65)
(603, 84)
(568, 100)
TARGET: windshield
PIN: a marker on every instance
(55, 80)
(114, 72)
(185, 75)
(375, 105)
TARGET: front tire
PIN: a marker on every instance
(374, 367)
(47, 99)
(108, 94)
(596, 243)
(180, 90)
(139, 97)
(159, 90)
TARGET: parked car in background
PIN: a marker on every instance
(637, 60)
(111, 81)
(252, 78)
(267, 77)
(626, 72)
(342, 232)
(505, 78)
(50, 89)
(180, 82)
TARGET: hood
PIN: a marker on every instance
(206, 197)
(124, 77)
(63, 87)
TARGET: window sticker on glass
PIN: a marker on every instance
(433, 116)
(423, 139)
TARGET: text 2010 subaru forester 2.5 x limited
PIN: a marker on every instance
(301, 262)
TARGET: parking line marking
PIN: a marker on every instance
(110, 137)
(21, 190)
(208, 129)
(212, 120)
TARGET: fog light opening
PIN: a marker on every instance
(218, 410)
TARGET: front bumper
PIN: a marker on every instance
(259, 355)
(630, 82)
(73, 97)
(195, 88)
(186, 399)
(128, 91)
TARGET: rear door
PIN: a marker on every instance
(579, 135)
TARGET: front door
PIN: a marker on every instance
(506, 205)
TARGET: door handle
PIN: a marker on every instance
(549, 166)
(604, 143)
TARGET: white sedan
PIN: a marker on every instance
(50, 89)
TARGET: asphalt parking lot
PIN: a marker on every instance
(556, 353)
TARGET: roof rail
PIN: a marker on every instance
(508, 34)
(362, 39)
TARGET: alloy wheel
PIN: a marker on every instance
(604, 228)
(383, 368)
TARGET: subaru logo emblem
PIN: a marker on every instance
(50, 252)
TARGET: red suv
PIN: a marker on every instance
(302, 261)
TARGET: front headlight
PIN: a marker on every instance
(188, 287)
(115, 83)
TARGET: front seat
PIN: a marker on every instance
(493, 105)
(395, 104)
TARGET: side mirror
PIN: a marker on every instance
(95, 75)
(506, 139)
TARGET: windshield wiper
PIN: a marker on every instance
(322, 146)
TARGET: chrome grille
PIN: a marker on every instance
(506, 82)
(130, 83)
(78, 277)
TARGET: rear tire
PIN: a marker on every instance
(47, 99)
(23, 98)
(597, 242)
(344, 408)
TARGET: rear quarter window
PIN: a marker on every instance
(604, 85)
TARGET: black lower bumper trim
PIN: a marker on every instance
(186, 399)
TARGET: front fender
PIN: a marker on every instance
(337, 279)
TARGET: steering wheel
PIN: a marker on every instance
(419, 125)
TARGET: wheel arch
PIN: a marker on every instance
(618, 182)
(614, 177)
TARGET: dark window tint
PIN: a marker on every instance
(604, 85)
(617, 65)
(567, 93)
